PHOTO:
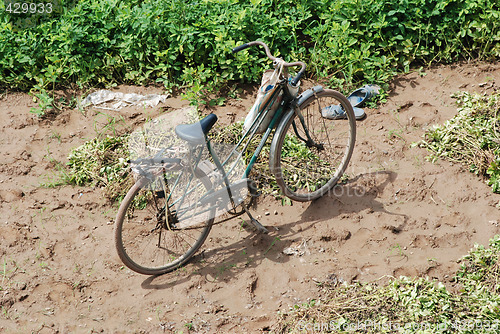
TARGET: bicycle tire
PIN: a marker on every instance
(135, 239)
(306, 173)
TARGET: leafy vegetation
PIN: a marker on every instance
(188, 43)
(472, 137)
(408, 305)
(101, 162)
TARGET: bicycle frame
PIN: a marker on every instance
(250, 133)
(212, 195)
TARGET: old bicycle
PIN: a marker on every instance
(168, 213)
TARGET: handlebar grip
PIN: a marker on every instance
(241, 47)
(297, 78)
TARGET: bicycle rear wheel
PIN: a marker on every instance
(154, 233)
(307, 169)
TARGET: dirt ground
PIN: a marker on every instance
(398, 215)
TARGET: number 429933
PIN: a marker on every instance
(31, 8)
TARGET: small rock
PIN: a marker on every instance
(346, 235)
(267, 213)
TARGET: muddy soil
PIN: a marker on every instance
(398, 215)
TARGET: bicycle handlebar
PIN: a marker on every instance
(241, 47)
(270, 56)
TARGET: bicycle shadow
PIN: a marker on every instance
(224, 262)
(357, 195)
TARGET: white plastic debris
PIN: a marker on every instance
(299, 250)
(106, 99)
(292, 251)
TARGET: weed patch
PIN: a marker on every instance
(408, 305)
(472, 137)
(101, 162)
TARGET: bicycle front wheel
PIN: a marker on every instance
(309, 155)
(159, 229)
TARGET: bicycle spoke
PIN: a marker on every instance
(306, 169)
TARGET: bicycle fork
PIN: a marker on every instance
(309, 141)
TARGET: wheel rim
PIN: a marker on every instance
(147, 241)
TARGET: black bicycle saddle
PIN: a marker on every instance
(195, 133)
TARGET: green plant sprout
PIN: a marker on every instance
(276, 239)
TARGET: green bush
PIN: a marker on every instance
(188, 43)
(373, 40)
